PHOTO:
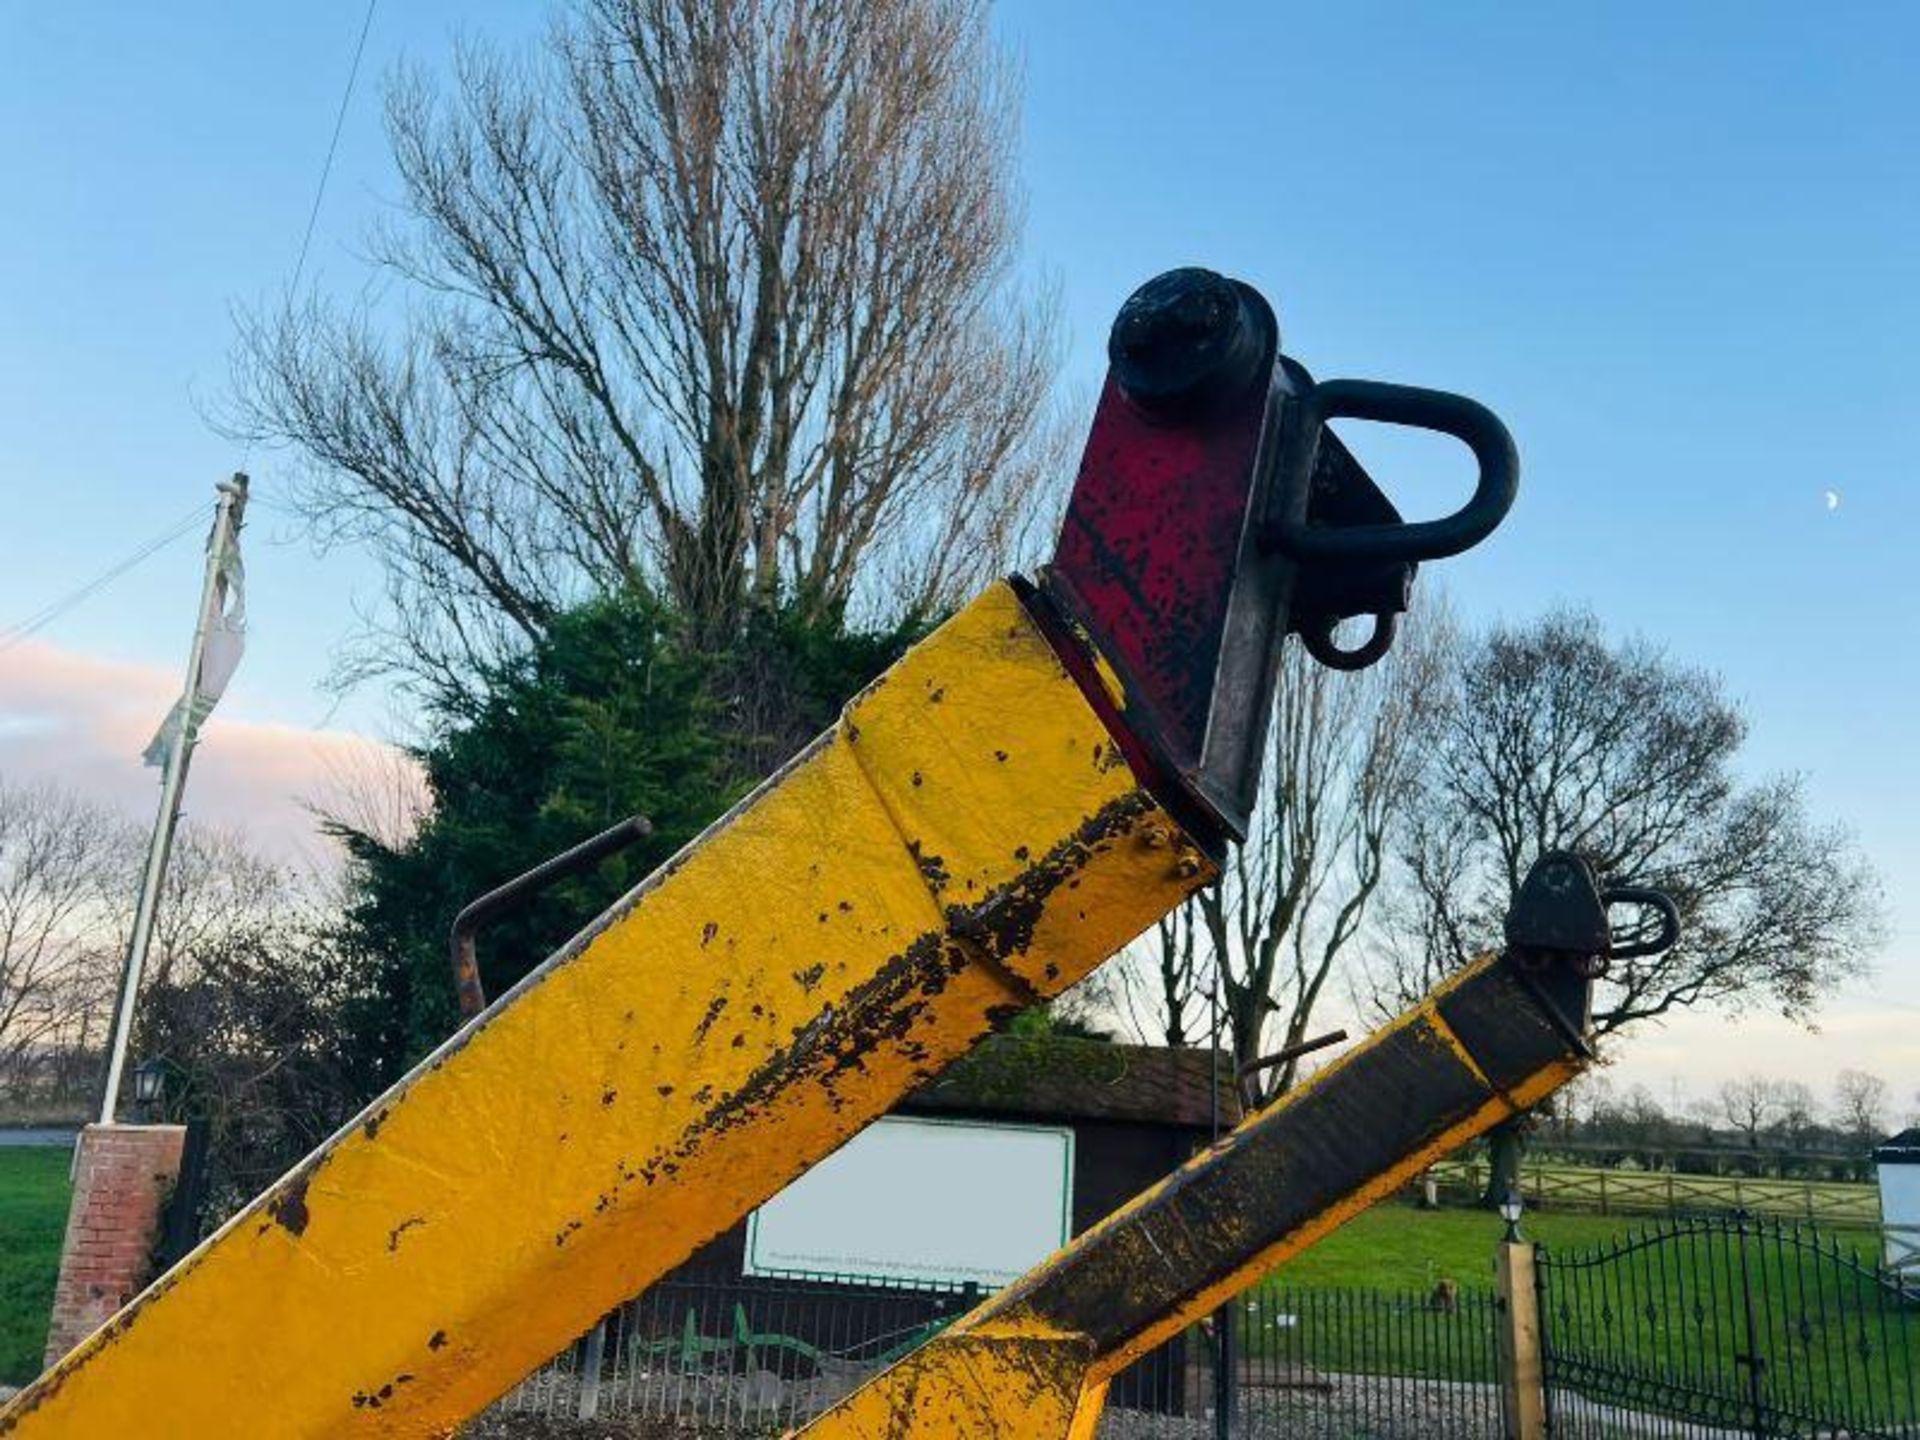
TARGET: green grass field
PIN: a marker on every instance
(33, 1216)
(1398, 1247)
(1669, 1313)
(1359, 1301)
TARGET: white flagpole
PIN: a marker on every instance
(226, 527)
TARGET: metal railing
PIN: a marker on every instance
(755, 1358)
(735, 1358)
(1331, 1364)
(1720, 1326)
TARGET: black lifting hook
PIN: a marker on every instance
(1559, 939)
(1561, 910)
(1191, 344)
(1356, 555)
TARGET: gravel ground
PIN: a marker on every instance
(1343, 1408)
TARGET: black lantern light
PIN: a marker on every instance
(149, 1086)
(1510, 1208)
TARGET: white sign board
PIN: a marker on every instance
(927, 1201)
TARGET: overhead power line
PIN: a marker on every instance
(333, 145)
(44, 617)
(40, 619)
(326, 171)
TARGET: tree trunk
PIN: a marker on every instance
(1506, 1147)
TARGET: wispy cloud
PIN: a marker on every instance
(83, 721)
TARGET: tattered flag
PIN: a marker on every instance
(219, 658)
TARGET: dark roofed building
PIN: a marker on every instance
(1137, 1113)
(1901, 1149)
(1048, 1077)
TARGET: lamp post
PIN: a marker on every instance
(149, 1087)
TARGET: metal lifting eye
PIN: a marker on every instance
(1466, 420)
(1355, 554)
(1316, 634)
(1561, 910)
(1637, 941)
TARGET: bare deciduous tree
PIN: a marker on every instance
(709, 297)
(1554, 738)
(378, 792)
(218, 886)
(69, 872)
(1751, 1105)
(1860, 1105)
(59, 861)
(1340, 765)
(1163, 987)
(245, 1002)
(1181, 974)
(1795, 1120)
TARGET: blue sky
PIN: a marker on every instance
(1675, 247)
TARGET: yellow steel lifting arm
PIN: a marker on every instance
(1052, 770)
(1034, 1362)
(766, 995)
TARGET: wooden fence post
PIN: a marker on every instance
(1524, 1400)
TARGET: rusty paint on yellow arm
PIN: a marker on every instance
(993, 1381)
(1331, 1219)
(1261, 1195)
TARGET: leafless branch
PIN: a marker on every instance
(712, 298)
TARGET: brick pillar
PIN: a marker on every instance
(122, 1176)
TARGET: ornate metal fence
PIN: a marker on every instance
(1707, 1328)
(1728, 1326)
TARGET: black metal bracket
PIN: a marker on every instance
(1214, 513)
(1559, 939)
(1356, 555)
